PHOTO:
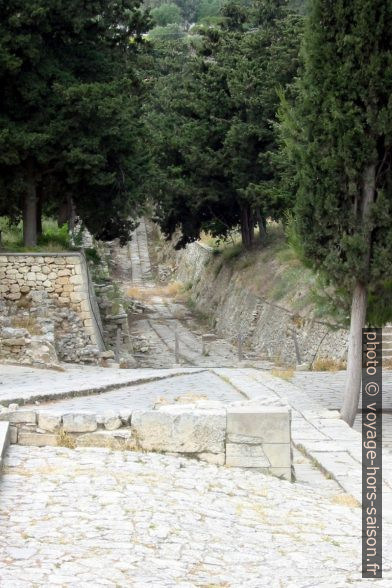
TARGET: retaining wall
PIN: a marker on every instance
(28, 281)
(235, 308)
(243, 434)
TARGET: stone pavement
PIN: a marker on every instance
(206, 385)
(25, 384)
(165, 318)
(91, 517)
(328, 387)
(318, 432)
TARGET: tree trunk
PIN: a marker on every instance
(247, 229)
(72, 214)
(39, 210)
(30, 215)
(62, 216)
(354, 357)
(262, 227)
(358, 312)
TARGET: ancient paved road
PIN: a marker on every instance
(25, 383)
(90, 518)
(206, 385)
(164, 317)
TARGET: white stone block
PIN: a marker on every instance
(36, 439)
(269, 424)
(112, 421)
(19, 416)
(246, 456)
(213, 458)
(79, 423)
(279, 454)
(49, 421)
(180, 430)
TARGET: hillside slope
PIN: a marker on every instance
(265, 295)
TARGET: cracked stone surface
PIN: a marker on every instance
(92, 517)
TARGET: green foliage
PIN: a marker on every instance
(53, 234)
(208, 9)
(92, 255)
(338, 131)
(53, 238)
(232, 252)
(210, 118)
(169, 32)
(166, 14)
(71, 95)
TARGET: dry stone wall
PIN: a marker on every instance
(268, 328)
(47, 309)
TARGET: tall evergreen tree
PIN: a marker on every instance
(67, 78)
(339, 139)
(211, 121)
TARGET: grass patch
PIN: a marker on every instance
(346, 500)
(53, 239)
(65, 440)
(232, 252)
(325, 364)
(92, 255)
(172, 290)
(284, 374)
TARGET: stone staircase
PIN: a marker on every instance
(387, 343)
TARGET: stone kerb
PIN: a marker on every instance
(244, 435)
(4, 440)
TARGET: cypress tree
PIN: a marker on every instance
(338, 139)
(70, 95)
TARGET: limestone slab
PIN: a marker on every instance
(269, 424)
(246, 456)
(37, 439)
(19, 416)
(109, 439)
(49, 421)
(279, 454)
(284, 473)
(179, 430)
(79, 423)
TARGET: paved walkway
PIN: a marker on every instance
(88, 518)
(327, 389)
(25, 384)
(206, 385)
(320, 433)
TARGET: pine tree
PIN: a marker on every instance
(338, 139)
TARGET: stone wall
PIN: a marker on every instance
(48, 309)
(243, 434)
(235, 308)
